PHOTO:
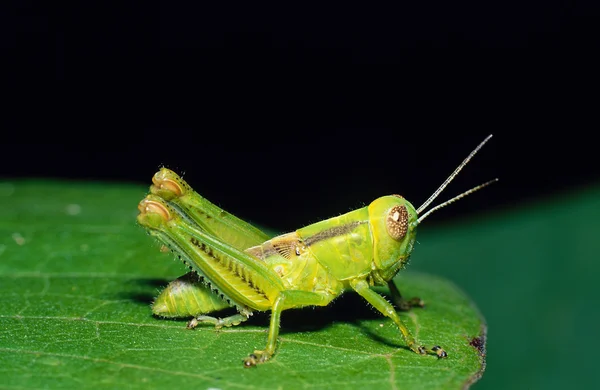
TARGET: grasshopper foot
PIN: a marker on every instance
(192, 323)
(422, 350)
(407, 304)
(402, 303)
(256, 358)
(439, 352)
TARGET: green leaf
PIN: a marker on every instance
(77, 276)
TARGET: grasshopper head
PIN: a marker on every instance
(393, 222)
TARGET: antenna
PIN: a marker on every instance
(448, 180)
(452, 176)
(457, 197)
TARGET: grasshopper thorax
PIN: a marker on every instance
(393, 221)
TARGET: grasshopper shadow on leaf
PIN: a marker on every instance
(348, 308)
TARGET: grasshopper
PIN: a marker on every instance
(234, 264)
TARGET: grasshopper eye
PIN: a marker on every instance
(397, 222)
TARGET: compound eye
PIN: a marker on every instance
(397, 222)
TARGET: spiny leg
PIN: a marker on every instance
(291, 298)
(401, 303)
(378, 302)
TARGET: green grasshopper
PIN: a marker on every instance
(234, 264)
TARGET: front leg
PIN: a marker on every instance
(378, 302)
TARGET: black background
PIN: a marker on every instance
(289, 114)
